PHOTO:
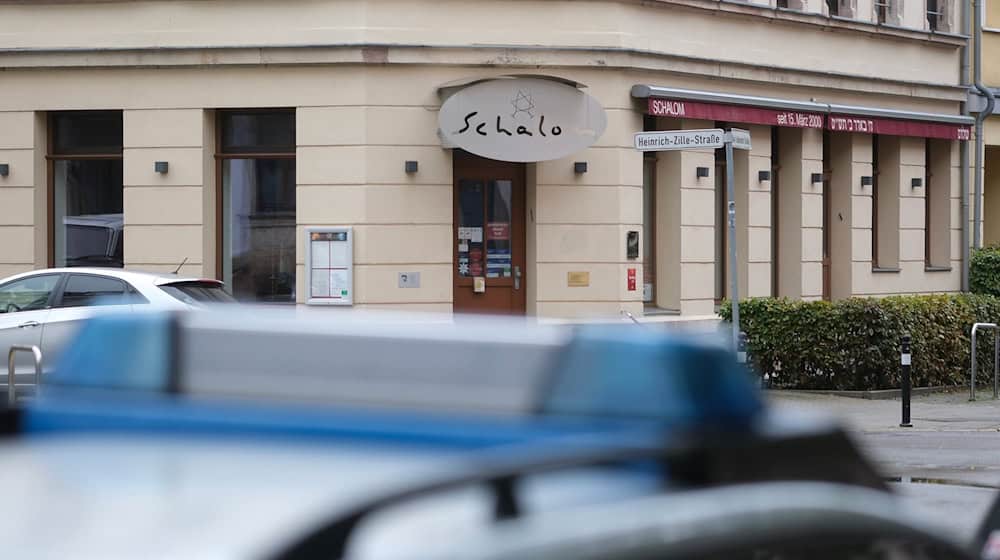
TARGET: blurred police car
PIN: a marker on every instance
(274, 435)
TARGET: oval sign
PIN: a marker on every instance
(522, 119)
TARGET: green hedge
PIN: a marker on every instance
(854, 344)
(984, 271)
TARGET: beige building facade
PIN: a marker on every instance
(229, 129)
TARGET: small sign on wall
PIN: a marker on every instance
(630, 277)
(578, 279)
(409, 279)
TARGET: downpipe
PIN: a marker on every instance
(980, 119)
(963, 153)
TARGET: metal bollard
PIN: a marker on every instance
(741, 348)
(904, 360)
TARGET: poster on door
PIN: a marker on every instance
(498, 263)
(498, 231)
(476, 261)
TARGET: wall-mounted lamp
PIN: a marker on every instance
(579, 167)
(816, 178)
(411, 166)
(701, 172)
(4, 169)
(161, 167)
(916, 182)
(763, 176)
(866, 180)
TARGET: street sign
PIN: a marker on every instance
(680, 140)
(709, 138)
(741, 138)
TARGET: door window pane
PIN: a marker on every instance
(84, 291)
(470, 228)
(88, 213)
(27, 294)
(498, 229)
(259, 228)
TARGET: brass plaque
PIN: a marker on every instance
(578, 279)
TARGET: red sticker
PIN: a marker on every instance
(498, 230)
(631, 279)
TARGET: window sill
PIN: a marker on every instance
(653, 311)
(937, 268)
(881, 270)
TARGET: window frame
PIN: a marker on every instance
(220, 160)
(50, 165)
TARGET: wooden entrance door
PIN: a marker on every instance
(488, 238)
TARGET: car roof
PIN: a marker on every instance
(158, 278)
(141, 439)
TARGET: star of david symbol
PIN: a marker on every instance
(523, 104)
(463, 268)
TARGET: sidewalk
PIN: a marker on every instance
(940, 412)
(948, 462)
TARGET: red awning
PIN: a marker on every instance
(663, 107)
(732, 113)
(894, 127)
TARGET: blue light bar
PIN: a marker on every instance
(631, 373)
(603, 374)
(134, 351)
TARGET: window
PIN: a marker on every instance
(881, 11)
(775, 210)
(875, 174)
(888, 12)
(84, 290)
(885, 190)
(933, 15)
(85, 158)
(721, 224)
(649, 227)
(937, 204)
(841, 8)
(257, 168)
(27, 294)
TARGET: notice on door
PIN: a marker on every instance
(498, 230)
(471, 234)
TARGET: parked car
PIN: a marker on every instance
(276, 434)
(44, 308)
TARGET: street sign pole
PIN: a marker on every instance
(701, 139)
(733, 269)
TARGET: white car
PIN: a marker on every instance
(44, 308)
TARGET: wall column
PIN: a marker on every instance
(753, 214)
(22, 145)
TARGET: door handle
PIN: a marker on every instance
(517, 278)
(28, 324)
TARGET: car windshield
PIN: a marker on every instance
(198, 293)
